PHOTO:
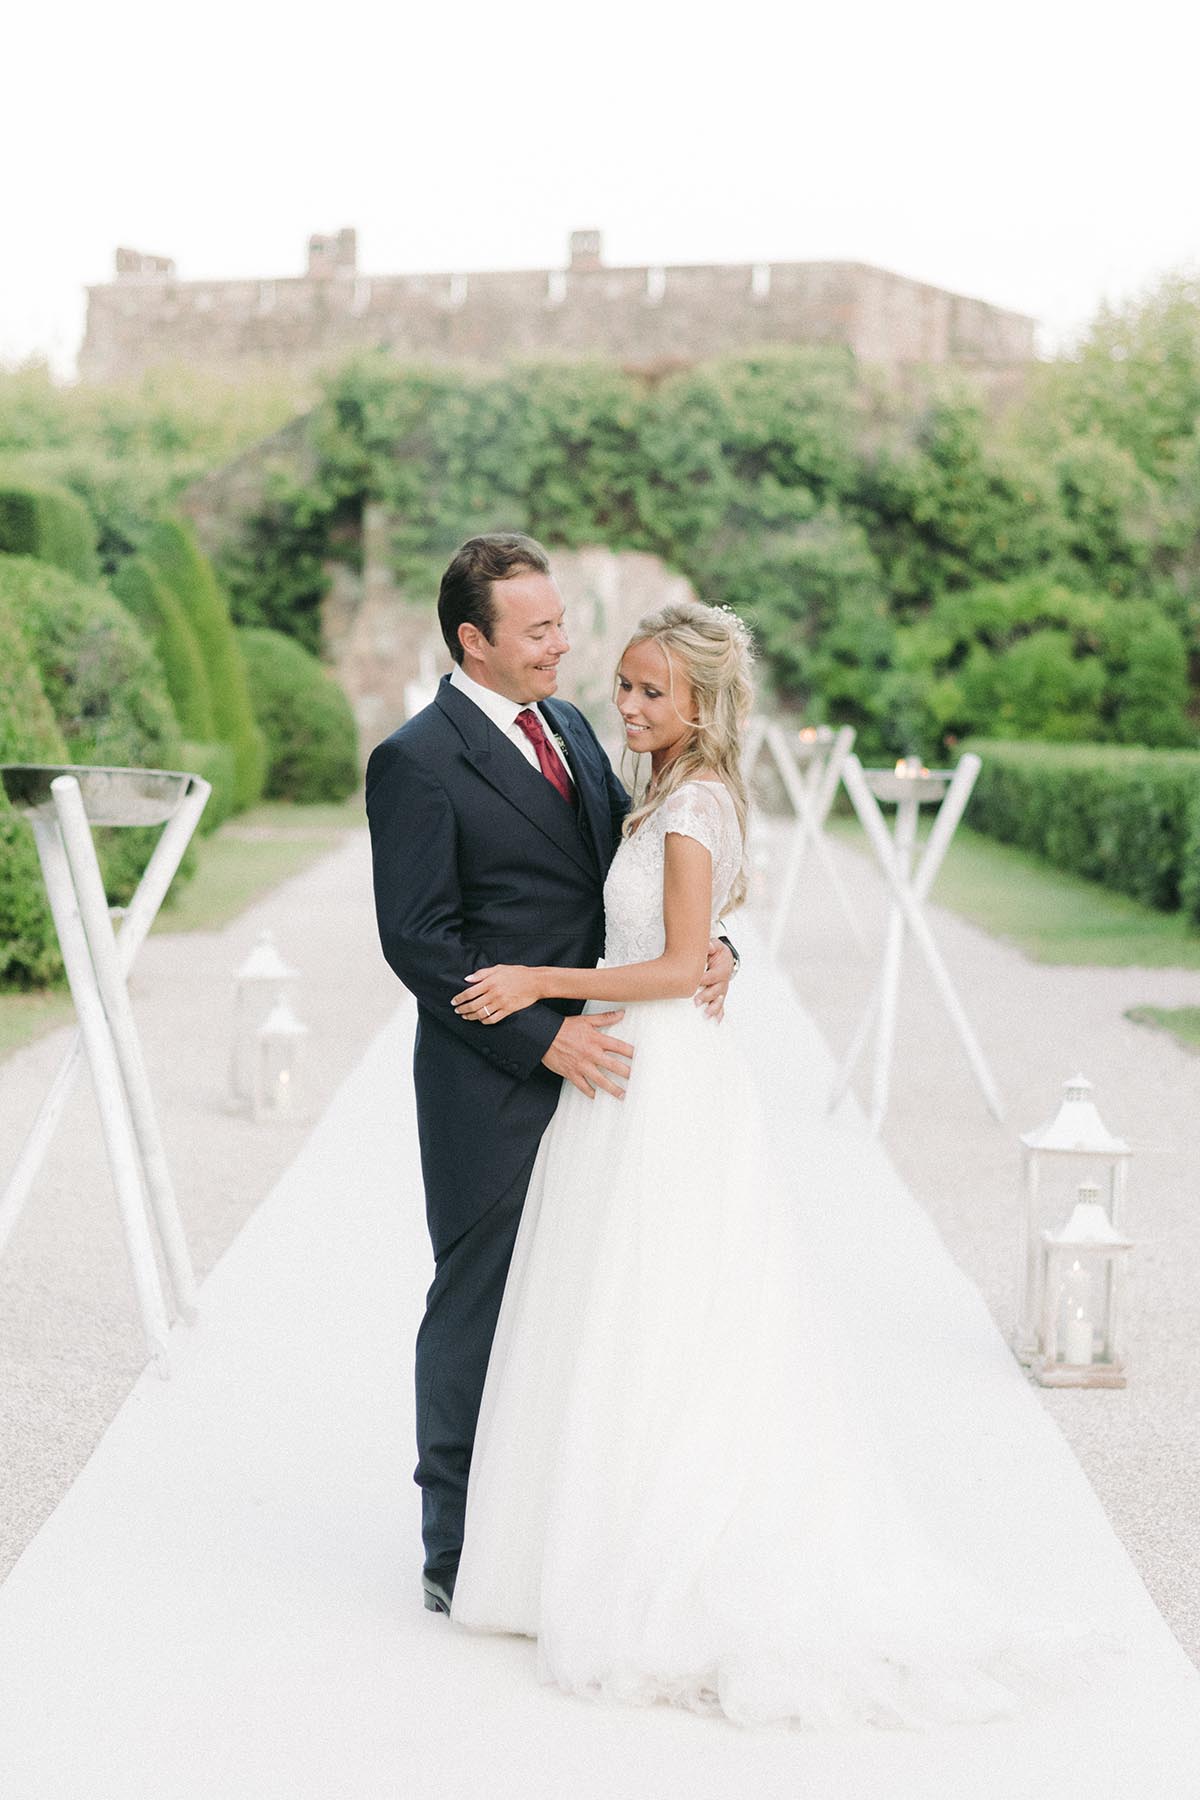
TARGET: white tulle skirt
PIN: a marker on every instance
(667, 1489)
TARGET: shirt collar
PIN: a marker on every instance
(502, 712)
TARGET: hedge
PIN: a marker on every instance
(312, 741)
(1126, 817)
(50, 524)
(28, 946)
(173, 552)
(150, 602)
(214, 764)
(104, 686)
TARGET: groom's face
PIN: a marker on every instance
(528, 639)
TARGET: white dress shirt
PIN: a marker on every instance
(503, 714)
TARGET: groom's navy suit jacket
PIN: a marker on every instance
(479, 860)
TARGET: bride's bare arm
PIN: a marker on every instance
(492, 994)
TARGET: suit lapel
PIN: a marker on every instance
(503, 767)
(593, 799)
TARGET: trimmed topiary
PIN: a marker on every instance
(312, 742)
(104, 685)
(28, 946)
(50, 524)
(145, 595)
(1124, 816)
(214, 764)
(173, 552)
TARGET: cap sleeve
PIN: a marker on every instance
(695, 810)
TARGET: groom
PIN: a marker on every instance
(494, 816)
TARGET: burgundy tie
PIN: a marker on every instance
(548, 760)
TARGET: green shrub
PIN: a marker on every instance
(146, 596)
(275, 568)
(1148, 660)
(104, 686)
(312, 742)
(123, 494)
(945, 506)
(1129, 818)
(128, 449)
(1034, 659)
(1113, 517)
(28, 946)
(50, 524)
(213, 763)
(173, 552)
(815, 600)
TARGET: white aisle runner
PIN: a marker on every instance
(225, 1606)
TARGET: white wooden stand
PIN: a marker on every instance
(910, 890)
(811, 794)
(62, 804)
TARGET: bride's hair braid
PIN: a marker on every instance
(714, 649)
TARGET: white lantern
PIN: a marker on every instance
(1076, 1146)
(259, 985)
(1082, 1281)
(279, 1044)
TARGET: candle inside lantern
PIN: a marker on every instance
(276, 1097)
(808, 734)
(911, 768)
(280, 1043)
(1077, 1325)
(1078, 1338)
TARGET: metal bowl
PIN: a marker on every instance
(110, 796)
(886, 785)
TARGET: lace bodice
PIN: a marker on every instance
(633, 893)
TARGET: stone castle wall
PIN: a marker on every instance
(644, 317)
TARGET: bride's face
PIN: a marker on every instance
(656, 719)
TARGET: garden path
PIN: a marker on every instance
(224, 1601)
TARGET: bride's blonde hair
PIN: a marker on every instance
(715, 651)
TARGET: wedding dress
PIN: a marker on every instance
(667, 1487)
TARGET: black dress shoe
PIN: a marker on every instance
(439, 1591)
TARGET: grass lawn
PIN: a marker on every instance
(243, 859)
(24, 1017)
(1053, 917)
(250, 855)
(1183, 1022)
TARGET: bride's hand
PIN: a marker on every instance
(496, 992)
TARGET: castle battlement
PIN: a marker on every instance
(643, 316)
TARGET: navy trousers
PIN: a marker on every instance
(453, 1346)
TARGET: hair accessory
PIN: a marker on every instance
(740, 628)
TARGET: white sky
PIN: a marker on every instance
(1039, 153)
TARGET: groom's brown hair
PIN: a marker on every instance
(465, 595)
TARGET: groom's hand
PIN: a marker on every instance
(585, 1057)
(718, 973)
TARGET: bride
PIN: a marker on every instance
(667, 1490)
